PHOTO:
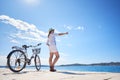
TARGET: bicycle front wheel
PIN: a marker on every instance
(16, 60)
(37, 62)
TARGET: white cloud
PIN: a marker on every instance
(14, 41)
(26, 31)
(69, 27)
(80, 28)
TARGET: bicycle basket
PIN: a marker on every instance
(36, 51)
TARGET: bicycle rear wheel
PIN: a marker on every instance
(16, 60)
(37, 62)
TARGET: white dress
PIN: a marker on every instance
(52, 42)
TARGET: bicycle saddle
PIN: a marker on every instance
(25, 46)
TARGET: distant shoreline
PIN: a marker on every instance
(94, 64)
(78, 64)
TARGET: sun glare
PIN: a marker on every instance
(31, 2)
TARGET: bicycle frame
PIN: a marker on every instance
(18, 57)
(35, 51)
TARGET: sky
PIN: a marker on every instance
(93, 26)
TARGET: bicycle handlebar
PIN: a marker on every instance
(25, 46)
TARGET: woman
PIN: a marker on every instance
(51, 42)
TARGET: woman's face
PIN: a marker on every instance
(52, 31)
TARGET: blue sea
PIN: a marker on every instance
(114, 69)
(87, 68)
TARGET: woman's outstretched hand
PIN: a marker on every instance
(66, 33)
(63, 33)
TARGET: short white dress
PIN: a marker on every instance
(52, 42)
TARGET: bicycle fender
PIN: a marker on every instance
(12, 52)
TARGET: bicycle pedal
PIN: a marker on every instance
(29, 63)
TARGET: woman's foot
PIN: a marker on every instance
(52, 69)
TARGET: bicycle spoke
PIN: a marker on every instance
(18, 58)
(16, 61)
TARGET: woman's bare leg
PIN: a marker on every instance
(53, 62)
(50, 59)
(56, 58)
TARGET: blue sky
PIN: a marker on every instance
(93, 26)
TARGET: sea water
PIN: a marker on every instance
(80, 68)
(88, 68)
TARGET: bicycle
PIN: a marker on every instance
(18, 58)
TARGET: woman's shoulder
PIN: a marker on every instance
(56, 34)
